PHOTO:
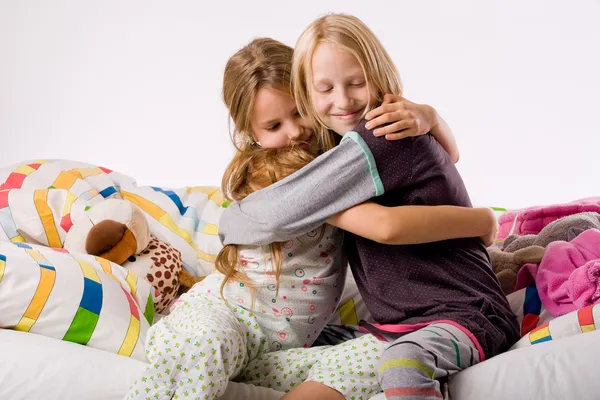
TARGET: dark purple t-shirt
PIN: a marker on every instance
(448, 280)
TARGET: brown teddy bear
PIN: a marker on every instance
(119, 232)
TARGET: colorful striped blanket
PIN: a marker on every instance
(40, 201)
(76, 297)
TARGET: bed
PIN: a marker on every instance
(48, 361)
(39, 367)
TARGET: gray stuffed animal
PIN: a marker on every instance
(520, 250)
(565, 229)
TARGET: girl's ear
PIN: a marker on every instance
(251, 140)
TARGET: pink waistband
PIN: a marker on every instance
(404, 328)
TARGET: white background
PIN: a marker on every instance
(135, 85)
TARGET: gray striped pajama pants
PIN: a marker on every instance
(416, 365)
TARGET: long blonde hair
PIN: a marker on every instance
(350, 34)
(256, 169)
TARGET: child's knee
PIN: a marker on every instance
(405, 364)
(406, 350)
(198, 318)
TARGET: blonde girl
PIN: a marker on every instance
(255, 317)
(437, 305)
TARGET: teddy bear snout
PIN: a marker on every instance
(104, 236)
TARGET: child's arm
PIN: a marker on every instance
(416, 224)
(335, 181)
(355, 171)
(443, 134)
(405, 119)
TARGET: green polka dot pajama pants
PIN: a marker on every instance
(204, 342)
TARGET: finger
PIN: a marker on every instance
(385, 108)
(392, 116)
(387, 118)
(396, 127)
(378, 112)
(395, 136)
(401, 135)
(372, 114)
(391, 98)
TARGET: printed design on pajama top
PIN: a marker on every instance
(310, 287)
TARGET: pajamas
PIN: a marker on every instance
(311, 283)
(350, 368)
(195, 350)
(206, 341)
(414, 364)
(203, 343)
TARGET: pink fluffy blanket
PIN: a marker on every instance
(531, 220)
(568, 277)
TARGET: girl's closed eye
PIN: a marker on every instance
(274, 127)
(324, 88)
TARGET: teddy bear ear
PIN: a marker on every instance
(140, 228)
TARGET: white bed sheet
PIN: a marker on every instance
(38, 367)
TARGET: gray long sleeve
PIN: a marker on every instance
(335, 181)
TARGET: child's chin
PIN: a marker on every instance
(347, 126)
(342, 130)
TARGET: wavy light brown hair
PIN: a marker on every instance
(255, 169)
(262, 63)
(352, 35)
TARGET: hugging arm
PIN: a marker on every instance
(339, 180)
